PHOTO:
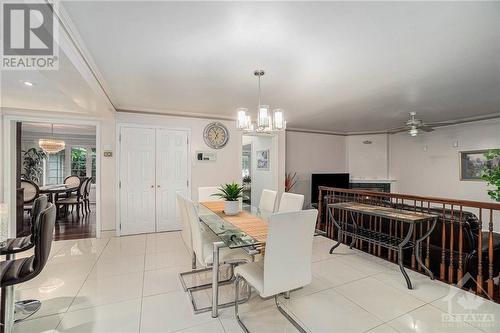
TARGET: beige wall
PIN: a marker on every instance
(429, 163)
(308, 153)
(367, 161)
(225, 169)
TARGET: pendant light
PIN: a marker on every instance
(51, 145)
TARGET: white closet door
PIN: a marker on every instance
(171, 176)
(137, 176)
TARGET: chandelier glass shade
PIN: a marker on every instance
(51, 145)
(266, 121)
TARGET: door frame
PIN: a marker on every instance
(119, 127)
(10, 168)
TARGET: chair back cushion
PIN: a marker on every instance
(196, 232)
(186, 228)
(205, 194)
(39, 205)
(267, 201)
(72, 181)
(291, 202)
(45, 232)
(287, 261)
(31, 190)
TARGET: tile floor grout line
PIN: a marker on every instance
(142, 290)
(62, 313)
(454, 316)
(373, 314)
(86, 278)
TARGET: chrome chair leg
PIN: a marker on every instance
(230, 280)
(287, 316)
(193, 261)
(7, 315)
(194, 271)
(236, 303)
(27, 307)
(281, 310)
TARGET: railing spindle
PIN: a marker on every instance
(480, 284)
(443, 247)
(490, 256)
(450, 266)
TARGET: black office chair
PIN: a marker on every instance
(16, 271)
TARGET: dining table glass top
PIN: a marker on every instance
(232, 236)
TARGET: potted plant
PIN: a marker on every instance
(491, 173)
(290, 181)
(32, 162)
(230, 193)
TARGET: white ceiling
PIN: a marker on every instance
(333, 66)
(63, 90)
(59, 129)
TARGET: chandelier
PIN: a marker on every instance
(51, 145)
(265, 122)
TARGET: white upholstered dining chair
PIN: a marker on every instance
(267, 201)
(202, 248)
(205, 193)
(287, 260)
(291, 202)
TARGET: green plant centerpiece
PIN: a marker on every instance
(33, 164)
(231, 193)
(491, 173)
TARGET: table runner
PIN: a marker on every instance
(250, 224)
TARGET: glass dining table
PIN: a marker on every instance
(230, 235)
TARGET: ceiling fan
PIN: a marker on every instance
(414, 125)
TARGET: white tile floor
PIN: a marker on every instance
(130, 284)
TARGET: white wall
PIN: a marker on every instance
(435, 172)
(368, 161)
(226, 168)
(308, 153)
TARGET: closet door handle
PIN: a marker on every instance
(158, 186)
(152, 186)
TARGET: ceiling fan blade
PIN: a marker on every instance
(399, 129)
(426, 128)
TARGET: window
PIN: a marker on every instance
(55, 168)
(79, 161)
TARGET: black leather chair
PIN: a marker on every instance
(21, 244)
(16, 271)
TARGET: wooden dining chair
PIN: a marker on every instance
(291, 202)
(287, 262)
(74, 200)
(31, 192)
(86, 195)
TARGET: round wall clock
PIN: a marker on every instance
(216, 135)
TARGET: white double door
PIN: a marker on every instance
(153, 167)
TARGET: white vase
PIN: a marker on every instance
(231, 207)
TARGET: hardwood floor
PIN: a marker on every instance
(72, 227)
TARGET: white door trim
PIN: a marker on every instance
(119, 126)
(9, 168)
